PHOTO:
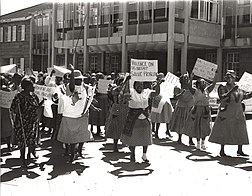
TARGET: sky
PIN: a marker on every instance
(8, 6)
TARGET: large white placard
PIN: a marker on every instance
(8, 68)
(103, 85)
(6, 98)
(167, 87)
(245, 82)
(144, 70)
(205, 69)
(44, 91)
(60, 70)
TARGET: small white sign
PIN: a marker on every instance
(103, 85)
(205, 69)
(167, 87)
(245, 82)
(6, 98)
(144, 70)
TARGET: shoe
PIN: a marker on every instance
(242, 154)
(145, 159)
(35, 156)
(203, 146)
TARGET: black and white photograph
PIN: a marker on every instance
(119, 98)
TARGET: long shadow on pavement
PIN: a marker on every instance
(201, 156)
(121, 161)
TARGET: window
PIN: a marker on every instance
(206, 10)
(244, 11)
(22, 32)
(132, 15)
(105, 13)
(211, 57)
(93, 63)
(145, 11)
(115, 63)
(94, 14)
(1, 34)
(233, 61)
(160, 10)
(9, 34)
(14, 33)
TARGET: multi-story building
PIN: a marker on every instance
(104, 36)
(25, 37)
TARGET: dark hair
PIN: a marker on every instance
(198, 82)
(26, 82)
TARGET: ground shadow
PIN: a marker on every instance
(203, 156)
(121, 161)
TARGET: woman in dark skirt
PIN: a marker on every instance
(117, 113)
(137, 129)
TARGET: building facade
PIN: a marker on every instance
(104, 36)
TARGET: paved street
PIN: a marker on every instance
(174, 169)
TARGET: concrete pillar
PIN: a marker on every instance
(185, 45)
(170, 42)
(53, 38)
(85, 47)
(124, 67)
(66, 50)
(103, 55)
(219, 63)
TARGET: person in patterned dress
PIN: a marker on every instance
(23, 109)
(230, 124)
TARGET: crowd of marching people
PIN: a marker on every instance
(130, 112)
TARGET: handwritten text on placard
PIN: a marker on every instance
(205, 69)
(245, 82)
(44, 91)
(144, 70)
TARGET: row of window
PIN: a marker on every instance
(12, 33)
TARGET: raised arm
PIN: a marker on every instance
(211, 86)
(190, 87)
(72, 82)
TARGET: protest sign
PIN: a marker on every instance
(205, 69)
(245, 82)
(6, 98)
(44, 91)
(60, 70)
(8, 68)
(90, 97)
(168, 85)
(144, 70)
(103, 86)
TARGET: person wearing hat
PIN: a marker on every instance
(230, 124)
(74, 124)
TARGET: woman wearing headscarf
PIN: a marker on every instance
(137, 129)
(183, 106)
(230, 124)
(198, 122)
(23, 108)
